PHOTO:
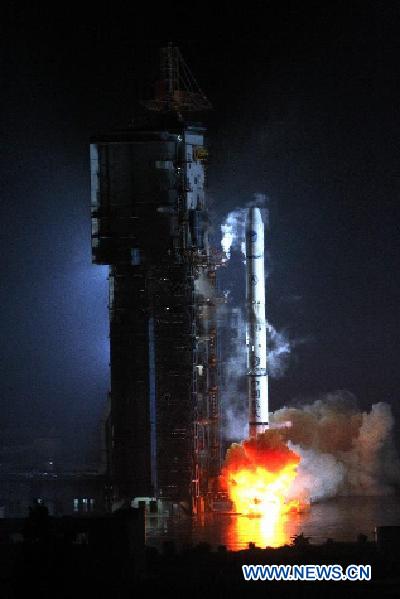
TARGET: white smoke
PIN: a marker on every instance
(278, 352)
(233, 228)
(234, 377)
(233, 232)
(202, 286)
(320, 475)
(344, 451)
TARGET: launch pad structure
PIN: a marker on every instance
(149, 224)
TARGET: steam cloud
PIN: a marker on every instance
(344, 451)
(233, 232)
(234, 226)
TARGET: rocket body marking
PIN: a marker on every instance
(256, 339)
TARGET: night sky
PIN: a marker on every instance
(306, 109)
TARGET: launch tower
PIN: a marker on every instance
(149, 224)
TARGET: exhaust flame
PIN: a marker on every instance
(258, 475)
(259, 492)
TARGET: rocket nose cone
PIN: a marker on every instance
(254, 218)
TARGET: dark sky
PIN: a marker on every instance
(306, 99)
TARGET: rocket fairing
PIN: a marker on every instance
(256, 338)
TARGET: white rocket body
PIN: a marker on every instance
(256, 338)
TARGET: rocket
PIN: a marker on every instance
(256, 338)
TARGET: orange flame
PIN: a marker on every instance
(257, 475)
(258, 491)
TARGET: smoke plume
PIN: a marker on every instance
(337, 449)
(343, 450)
(233, 228)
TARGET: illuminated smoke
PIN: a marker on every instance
(233, 227)
(343, 450)
(278, 351)
(203, 287)
(233, 232)
(233, 388)
(336, 449)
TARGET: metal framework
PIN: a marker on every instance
(177, 90)
(149, 224)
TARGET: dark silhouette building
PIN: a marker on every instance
(149, 224)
